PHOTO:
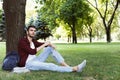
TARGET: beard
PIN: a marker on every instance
(31, 36)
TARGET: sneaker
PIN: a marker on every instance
(81, 66)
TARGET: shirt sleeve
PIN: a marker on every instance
(26, 47)
(37, 44)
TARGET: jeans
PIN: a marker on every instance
(38, 63)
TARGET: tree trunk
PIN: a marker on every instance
(108, 34)
(108, 31)
(74, 38)
(90, 35)
(15, 22)
(69, 38)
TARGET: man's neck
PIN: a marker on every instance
(29, 38)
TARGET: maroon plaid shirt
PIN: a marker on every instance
(24, 50)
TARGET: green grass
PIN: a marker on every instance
(103, 63)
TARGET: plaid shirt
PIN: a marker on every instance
(24, 50)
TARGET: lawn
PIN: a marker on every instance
(102, 63)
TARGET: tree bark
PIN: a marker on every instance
(90, 34)
(108, 34)
(74, 38)
(15, 22)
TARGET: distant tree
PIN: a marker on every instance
(57, 36)
(107, 15)
(55, 11)
(48, 12)
(42, 30)
(89, 27)
(71, 11)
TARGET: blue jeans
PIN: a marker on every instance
(39, 63)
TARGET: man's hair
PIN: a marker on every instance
(31, 26)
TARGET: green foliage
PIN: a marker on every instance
(42, 30)
(0, 15)
(57, 36)
(65, 10)
(55, 12)
(31, 21)
(73, 9)
(2, 26)
(48, 12)
(66, 28)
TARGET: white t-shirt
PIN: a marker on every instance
(30, 57)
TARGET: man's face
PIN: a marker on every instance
(31, 32)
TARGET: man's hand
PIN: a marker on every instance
(48, 43)
(53, 46)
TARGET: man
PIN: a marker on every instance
(28, 47)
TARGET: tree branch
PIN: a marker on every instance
(112, 16)
(105, 13)
(96, 8)
(96, 3)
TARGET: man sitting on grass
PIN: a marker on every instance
(28, 47)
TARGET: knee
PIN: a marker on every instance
(48, 48)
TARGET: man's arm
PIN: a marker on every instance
(44, 45)
(52, 45)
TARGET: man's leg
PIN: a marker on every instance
(44, 55)
(56, 55)
(49, 50)
(37, 65)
